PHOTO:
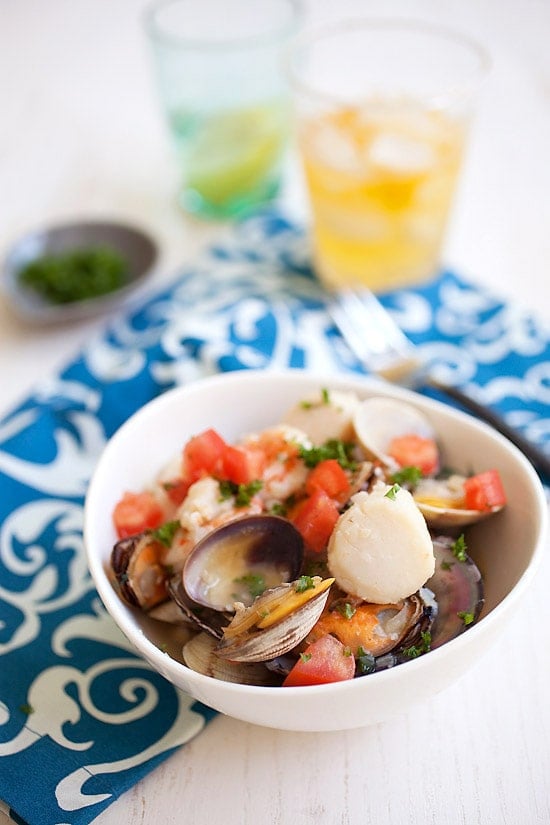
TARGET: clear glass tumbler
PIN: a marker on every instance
(225, 96)
(382, 111)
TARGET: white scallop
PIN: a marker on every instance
(381, 550)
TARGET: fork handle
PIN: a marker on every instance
(539, 460)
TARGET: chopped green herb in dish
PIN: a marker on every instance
(253, 582)
(76, 275)
(333, 448)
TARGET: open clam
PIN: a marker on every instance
(379, 421)
(137, 563)
(375, 628)
(276, 622)
(200, 655)
(241, 559)
(458, 589)
(441, 502)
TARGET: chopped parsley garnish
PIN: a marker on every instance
(458, 548)
(333, 448)
(278, 509)
(305, 657)
(244, 493)
(165, 533)
(253, 582)
(26, 709)
(346, 610)
(467, 618)
(446, 565)
(364, 661)
(304, 583)
(407, 475)
(76, 275)
(392, 492)
(347, 651)
(309, 405)
(424, 646)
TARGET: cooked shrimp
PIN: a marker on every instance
(204, 509)
(284, 473)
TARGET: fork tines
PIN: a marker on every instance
(373, 336)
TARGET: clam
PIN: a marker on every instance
(376, 628)
(276, 622)
(458, 589)
(241, 559)
(137, 563)
(199, 654)
(441, 502)
(204, 618)
(378, 421)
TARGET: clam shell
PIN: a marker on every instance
(261, 645)
(377, 421)
(458, 589)
(137, 562)
(377, 628)
(442, 518)
(204, 618)
(265, 547)
(199, 654)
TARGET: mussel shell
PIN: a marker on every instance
(265, 545)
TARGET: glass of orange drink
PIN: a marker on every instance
(382, 111)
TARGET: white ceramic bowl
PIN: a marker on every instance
(507, 547)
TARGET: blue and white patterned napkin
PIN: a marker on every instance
(82, 718)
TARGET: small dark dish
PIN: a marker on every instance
(137, 249)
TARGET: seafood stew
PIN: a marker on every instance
(326, 547)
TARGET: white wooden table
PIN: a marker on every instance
(80, 134)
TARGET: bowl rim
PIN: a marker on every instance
(147, 648)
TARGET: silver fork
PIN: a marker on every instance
(380, 344)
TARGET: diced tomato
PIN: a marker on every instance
(241, 465)
(415, 451)
(136, 512)
(330, 477)
(202, 454)
(176, 489)
(315, 518)
(323, 661)
(484, 491)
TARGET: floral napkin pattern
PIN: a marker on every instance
(82, 717)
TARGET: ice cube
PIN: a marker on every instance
(335, 149)
(400, 154)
